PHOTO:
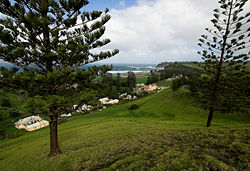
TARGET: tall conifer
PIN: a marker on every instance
(226, 51)
(49, 40)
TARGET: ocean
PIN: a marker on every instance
(125, 68)
(117, 68)
(136, 68)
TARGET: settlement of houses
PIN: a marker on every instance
(32, 123)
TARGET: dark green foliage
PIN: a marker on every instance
(49, 40)
(232, 94)
(118, 82)
(175, 69)
(177, 83)
(153, 77)
(55, 50)
(133, 107)
(164, 64)
(110, 86)
(113, 92)
(131, 80)
(225, 55)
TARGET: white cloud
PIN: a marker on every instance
(159, 30)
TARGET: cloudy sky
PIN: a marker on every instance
(154, 31)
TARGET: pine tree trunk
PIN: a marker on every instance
(210, 117)
(54, 148)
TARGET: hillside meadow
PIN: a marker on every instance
(166, 132)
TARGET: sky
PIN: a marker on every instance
(154, 31)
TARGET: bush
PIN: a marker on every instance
(133, 107)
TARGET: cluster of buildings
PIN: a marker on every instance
(35, 122)
(31, 123)
(148, 88)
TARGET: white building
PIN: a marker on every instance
(75, 107)
(104, 100)
(113, 101)
(86, 107)
(140, 85)
(65, 115)
(31, 123)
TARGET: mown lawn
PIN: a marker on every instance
(166, 132)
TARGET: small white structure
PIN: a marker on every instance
(123, 95)
(31, 123)
(90, 107)
(113, 101)
(135, 97)
(75, 107)
(128, 97)
(86, 107)
(140, 85)
(104, 100)
(37, 125)
(75, 85)
(65, 115)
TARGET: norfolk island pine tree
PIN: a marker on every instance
(225, 53)
(57, 37)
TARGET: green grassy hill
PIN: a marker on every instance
(166, 132)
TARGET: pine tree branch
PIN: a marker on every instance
(27, 5)
(236, 35)
(12, 109)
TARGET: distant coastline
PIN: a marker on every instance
(117, 68)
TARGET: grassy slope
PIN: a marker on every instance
(192, 65)
(164, 83)
(141, 80)
(166, 132)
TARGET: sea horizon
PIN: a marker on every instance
(121, 68)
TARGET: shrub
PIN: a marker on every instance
(133, 107)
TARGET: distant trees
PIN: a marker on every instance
(131, 80)
(118, 81)
(111, 85)
(177, 83)
(49, 40)
(175, 69)
(225, 54)
(171, 70)
(153, 77)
